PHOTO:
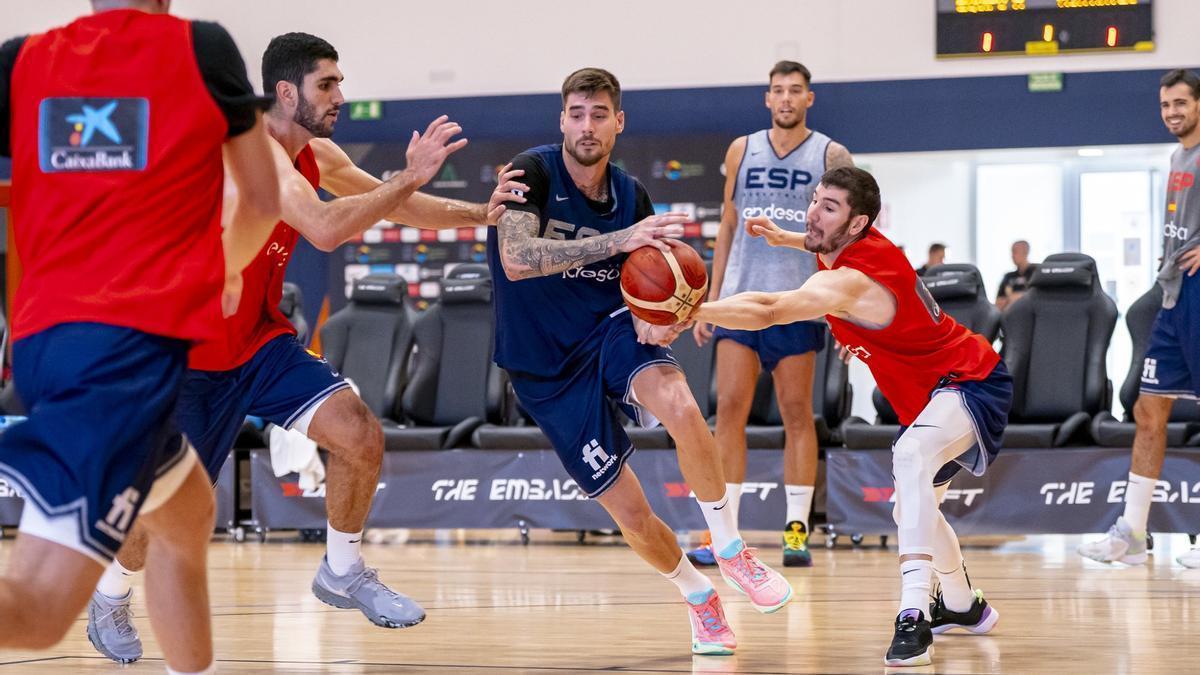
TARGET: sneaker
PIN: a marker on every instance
(702, 555)
(979, 619)
(361, 589)
(740, 567)
(711, 633)
(110, 627)
(913, 643)
(1120, 545)
(795, 545)
(1190, 559)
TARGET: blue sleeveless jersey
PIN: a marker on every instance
(540, 322)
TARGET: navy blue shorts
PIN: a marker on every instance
(281, 383)
(577, 410)
(101, 431)
(988, 402)
(775, 343)
(1172, 365)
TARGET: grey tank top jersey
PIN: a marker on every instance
(1181, 226)
(779, 188)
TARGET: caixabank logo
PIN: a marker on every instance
(93, 134)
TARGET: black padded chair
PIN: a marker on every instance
(959, 291)
(831, 398)
(1183, 427)
(292, 306)
(1056, 338)
(369, 341)
(453, 386)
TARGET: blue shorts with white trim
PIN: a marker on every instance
(280, 383)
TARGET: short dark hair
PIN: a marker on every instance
(862, 188)
(1022, 242)
(588, 81)
(936, 247)
(1184, 76)
(789, 67)
(291, 56)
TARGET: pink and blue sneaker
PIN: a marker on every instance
(767, 589)
(711, 634)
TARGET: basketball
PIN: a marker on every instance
(663, 288)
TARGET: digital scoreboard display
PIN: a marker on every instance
(977, 28)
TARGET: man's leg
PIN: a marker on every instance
(663, 391)
(737, 374)
(956, 604)
(655, 543)
(343, 425)
(178, 532)
(1126, 539)
(793, 392)
(940, 433)
(43, 590)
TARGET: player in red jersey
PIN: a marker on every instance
(949, 387)
(259, 368)
(117, 182)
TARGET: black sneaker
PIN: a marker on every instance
(913, 643)
(979, 619)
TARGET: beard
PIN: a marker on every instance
(308, 117)
(795, 122)
(1186, 129)
(586, 160)
(830, 242)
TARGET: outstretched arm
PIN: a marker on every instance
(826, 292)
(525, 255)
(343, 178)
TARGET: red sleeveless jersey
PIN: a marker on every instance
(117, 178)
(258, 319)
(921, 345)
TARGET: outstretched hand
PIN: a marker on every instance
(650, 231)
(507, 190)
(762, 226)
(426, 152)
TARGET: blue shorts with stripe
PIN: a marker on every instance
(101, 430)
(1172, 364)
(775, 343)
(577, 410)
(280, 383)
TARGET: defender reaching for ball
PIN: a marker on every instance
(573, 350)
(948, 386)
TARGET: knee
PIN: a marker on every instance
(1151, 412)
(364, 441)
(907, 462)
(797, 414)
(735, 408)
(675, 406)
(633, 518)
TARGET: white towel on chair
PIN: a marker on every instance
(293, 452)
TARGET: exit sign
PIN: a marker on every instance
(1045, 82)
(366, 110)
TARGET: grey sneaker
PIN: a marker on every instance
(110, 628)
(1119, 545)
(361, 589)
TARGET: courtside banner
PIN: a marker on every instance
(505, 489)
(1037, 491)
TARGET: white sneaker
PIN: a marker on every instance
(1190, 559)
(1119, 545)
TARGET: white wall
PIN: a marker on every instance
(407, 49)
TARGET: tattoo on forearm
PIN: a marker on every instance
(527, 255)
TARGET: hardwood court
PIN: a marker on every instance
(558, 607)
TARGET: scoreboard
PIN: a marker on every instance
(983, 28)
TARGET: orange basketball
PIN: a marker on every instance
(663, 288)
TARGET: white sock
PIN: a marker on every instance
(116, 581)
(690, 581)
(212, 668)
(799, 502)
(914, 585)
(733, 492)
(950, 569)
(342, 550)
(722, 523)
(1138, 495)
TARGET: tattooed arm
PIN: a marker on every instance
(526, 255)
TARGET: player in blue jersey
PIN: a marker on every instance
(575, 354)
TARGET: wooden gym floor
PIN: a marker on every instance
(554, 606)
